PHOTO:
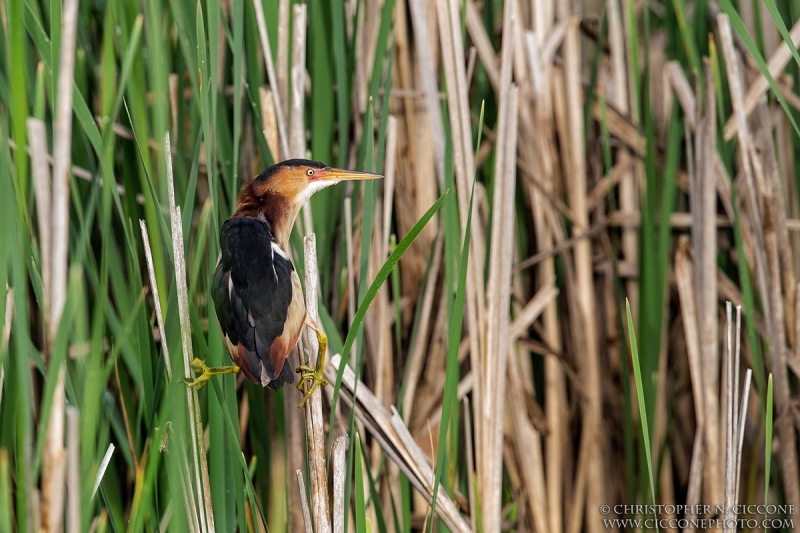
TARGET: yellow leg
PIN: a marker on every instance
(206, 372)
(314, 374)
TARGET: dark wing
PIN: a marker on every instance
(252, 293)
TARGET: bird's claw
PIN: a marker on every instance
(309, 373)
(206, 372)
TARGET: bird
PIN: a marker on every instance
(255, 288)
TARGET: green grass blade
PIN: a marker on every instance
(369, 296)
(360, 500)
(640, 397)
(5, 492)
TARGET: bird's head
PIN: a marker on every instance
(295, 180)
(280, 191)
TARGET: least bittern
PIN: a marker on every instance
(255, 288)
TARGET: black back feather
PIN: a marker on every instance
(254, 311)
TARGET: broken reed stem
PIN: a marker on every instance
(201, 485)
(736, 416)
(54, 460)
(304, 503)
(339, 454)
(101, 470)
(273, 81)
(315, 428)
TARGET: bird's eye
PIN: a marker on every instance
(310, 172)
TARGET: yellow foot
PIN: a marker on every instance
(206, 372)
(316, 377)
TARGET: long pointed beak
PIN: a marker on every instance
(338, 174)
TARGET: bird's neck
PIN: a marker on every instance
(278, 212)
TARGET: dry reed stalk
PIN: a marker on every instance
(555, 386)
(527, 439)
(73, 471)
(388, 181)
(62, 146)
(628, 197)
(784, 424)
(766, 265)
(428, 80)
(775, 65)
(703, 194)
(684, 277)
(470, 463)
(173, 103)
(778, 209)
(282, 59)
(592, 443)
(297, 138)
(795, 361)
(784, 146)
(458, 105)
(421, 171)
(556, 399)
(417, 352)
(273, 80)
(736, 415)
(297, 132)
(295, 147)
(384, 364)
(304, 503)
(156, 300)
(491, 363)
(498, 291)
(396, 441)
(351, 267)
(380, 314)
(482, 44)
(55, 455)
(269, 121)
(339, 453)
(315, 428)
(37, 141)
(543, 18)
(192, 518)
(201, 483)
